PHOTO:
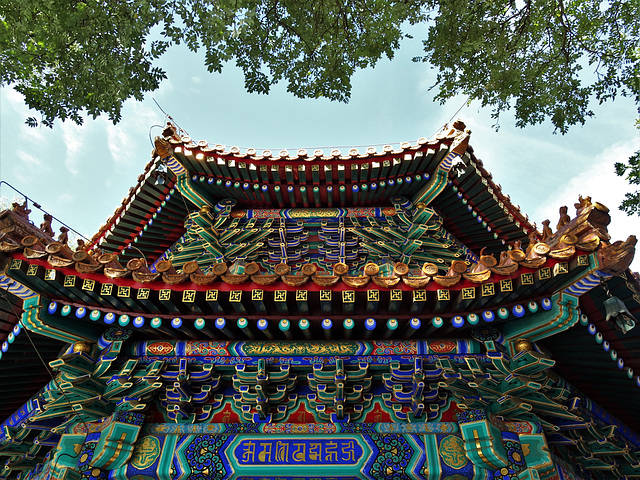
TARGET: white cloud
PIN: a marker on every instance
(126, 137)
(26, 167)
(15, 99)
(601, 183)
(16, 102)
(73, 138)
(65, 198)
(28, 161)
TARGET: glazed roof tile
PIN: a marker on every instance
(207, 164)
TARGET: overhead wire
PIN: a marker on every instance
(39, 207)
(46, 366)
(466, 102)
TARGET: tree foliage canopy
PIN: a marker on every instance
(545, 59)
(73, 57)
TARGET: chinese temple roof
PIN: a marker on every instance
(472, 206)
(408, 247)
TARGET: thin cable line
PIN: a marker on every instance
(321, 147)
(151, 128)
(466, 102)
(166, 115)
(46, 366)
(39, 207)
(140, 252)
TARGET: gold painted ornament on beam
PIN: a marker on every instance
(453, 276)
(416, 282)
(82, 347)
(522, 345)
(356, 281)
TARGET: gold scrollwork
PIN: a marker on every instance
(544, 273)
(419, 295)
(452, 452)
(468, 293)
(396, 295)
(145, 453)
(444, 295)
(143, 293)
(488, 289)
(257, 295)
(300, 348)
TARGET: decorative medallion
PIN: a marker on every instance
(146, 452)
(390, 347)
(394, 454)
(442, 346)
(206, 348)
(523, 345)
(115, 334)
(485, 333)
(203, 457)
(160, 348)
(82, 347)
(452, 452)
(389, 211)
(300, 348)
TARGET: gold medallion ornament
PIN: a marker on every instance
(523, 345)
(82, 347)
(452, 452)
(146, 452)
(160, 348)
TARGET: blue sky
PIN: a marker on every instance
(81, 173)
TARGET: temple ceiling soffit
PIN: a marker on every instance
(493, 390)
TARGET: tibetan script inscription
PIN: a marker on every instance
(343, 451)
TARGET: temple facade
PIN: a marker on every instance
(377, 314)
